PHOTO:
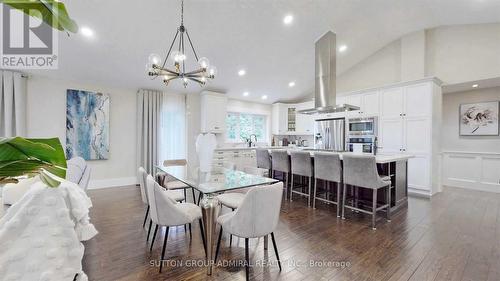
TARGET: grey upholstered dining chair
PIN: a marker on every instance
(361, 171)
(263, 159)
(174, 194)
(256, 217)
(327, 167)
(167, 212)
(281, 163)
(301, 166)
(176, 184)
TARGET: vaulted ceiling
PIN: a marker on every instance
(244, 34)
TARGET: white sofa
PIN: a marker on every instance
(78, 172)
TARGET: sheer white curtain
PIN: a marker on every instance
(173, 127)
(12, 104)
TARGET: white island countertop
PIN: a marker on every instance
(379, 158)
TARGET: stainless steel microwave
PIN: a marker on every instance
(363, 126)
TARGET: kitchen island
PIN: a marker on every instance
(394, 166)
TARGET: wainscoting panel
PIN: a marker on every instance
(472, 170)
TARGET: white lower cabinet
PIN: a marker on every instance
(239, 157)
(419, 174)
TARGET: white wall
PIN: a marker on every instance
(471, 162)
(464, 53)
(451, 140)
(46, 106)
(381, 68)
(454, 54)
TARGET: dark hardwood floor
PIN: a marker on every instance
(454, 236)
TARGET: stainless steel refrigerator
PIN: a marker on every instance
(329, 134)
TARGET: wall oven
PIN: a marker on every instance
(363, 126)
(362, 144)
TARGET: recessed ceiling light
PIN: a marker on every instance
(245, 94)
(264, 97)
(86, 31)
(342, 48)
(475, 85)
(291, 84)
(242, 72)
(288, 19)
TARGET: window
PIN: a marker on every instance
(241, 125)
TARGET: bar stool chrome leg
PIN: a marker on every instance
(286, 186)
(309, 180)
(338, 199)
(374, 214)
(343, 201)
(291, 187)
(389, 203)
(314, 193)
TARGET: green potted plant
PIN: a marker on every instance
(30, 157)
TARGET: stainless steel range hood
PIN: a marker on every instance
(325, 78)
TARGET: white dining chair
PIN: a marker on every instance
(257, 216)
(176, 184)
(232, 199)
(174, 194)
(167, 212)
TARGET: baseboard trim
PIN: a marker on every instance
(472, 185)
(114, 182)
(419, 193)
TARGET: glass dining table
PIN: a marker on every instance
(210, 184)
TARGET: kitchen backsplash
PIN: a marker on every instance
(291, 139)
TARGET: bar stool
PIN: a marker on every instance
(327, 167)
(361, 171)
(281, 163)
(263, 159)
(301, 166)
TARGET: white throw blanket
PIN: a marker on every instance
(40, 235)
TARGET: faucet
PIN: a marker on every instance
(249, 140)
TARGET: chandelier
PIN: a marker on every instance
(200, 75)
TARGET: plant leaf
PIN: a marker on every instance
(51, 12)
(19, 156)
(48, 179)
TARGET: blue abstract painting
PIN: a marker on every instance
(87, 125)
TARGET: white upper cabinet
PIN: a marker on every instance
(287, 120)
(391, 103)
(370, 103)
(280, 122)
(213, 112)
(304, 122)
(418, 101)
(355, 100)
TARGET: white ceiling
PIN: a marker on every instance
(468, 86)
(247, 34)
